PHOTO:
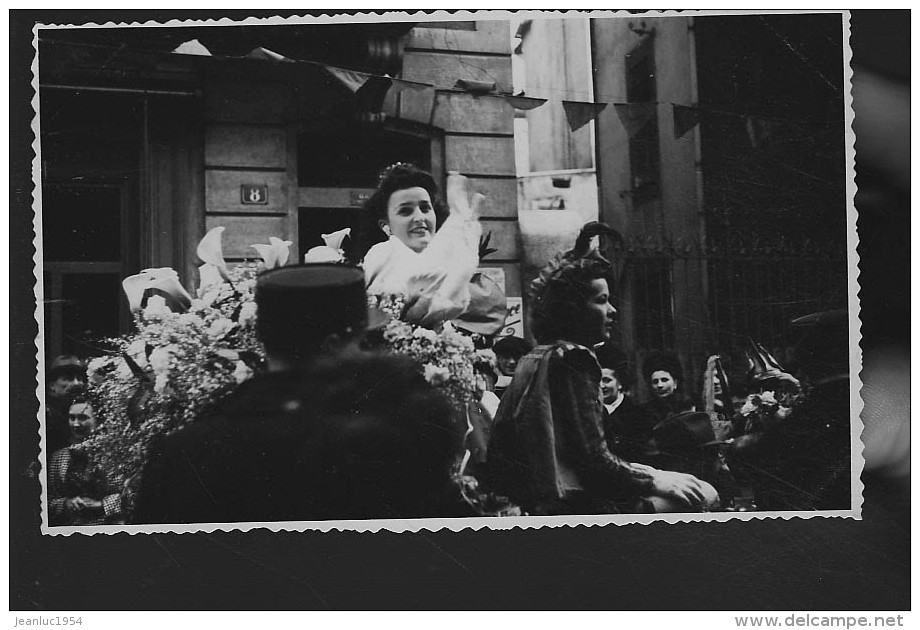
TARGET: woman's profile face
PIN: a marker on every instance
(82, 421)
(663, 384)
(596, 320)
(411, 218)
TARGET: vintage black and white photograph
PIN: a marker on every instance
(515, 270)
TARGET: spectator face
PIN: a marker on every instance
(597, 317)
(64, 384)
(610, 385)
(82, 421)
(411, 218)
(506, 363)
(663, 384)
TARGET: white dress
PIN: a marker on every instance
(438, 276)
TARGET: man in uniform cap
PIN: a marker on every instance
(329, 432)
(65, 374)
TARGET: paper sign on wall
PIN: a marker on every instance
(514, 321)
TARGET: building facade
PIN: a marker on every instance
(152, 136)
(719, 157)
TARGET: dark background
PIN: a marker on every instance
(804, 564)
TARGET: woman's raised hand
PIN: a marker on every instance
(459, 198)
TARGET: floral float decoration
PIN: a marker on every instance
(190, 351)
(763, 411)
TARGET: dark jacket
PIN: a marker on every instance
(663, 408)
(363, 438)
(629, 432)
(548, 445)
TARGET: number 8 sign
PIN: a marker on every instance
(253, 194)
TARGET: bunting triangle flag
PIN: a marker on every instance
(401, 85)
(418, 104)
(685, 119)
(759, 130)
(371, 95)
(579, 113)
(635, 116)
(266, 55)
(349, 78)
(192, 47)
(519, 101)
(475, 87)
(369, 89)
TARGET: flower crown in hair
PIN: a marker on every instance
(581, 254)
(385, 173)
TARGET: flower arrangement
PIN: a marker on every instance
(189, 352)
(763, 411)
(447, 356)
(186, 355)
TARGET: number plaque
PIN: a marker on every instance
(254, 194)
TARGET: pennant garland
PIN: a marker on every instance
(370, 91)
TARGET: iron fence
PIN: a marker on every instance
(699, 298)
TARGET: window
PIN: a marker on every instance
(83, 248)
(89, 215)
(644, 156)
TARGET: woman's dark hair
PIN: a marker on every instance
(399, 176)
(559, 292)
(613, 358)
(77, 395)
(663, 361)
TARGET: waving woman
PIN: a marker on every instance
(429, 253)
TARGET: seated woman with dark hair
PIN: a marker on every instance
(79, 492)
(548, 452)
(664, 375)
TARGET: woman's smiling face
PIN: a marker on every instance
(82, 421)
(411, 218)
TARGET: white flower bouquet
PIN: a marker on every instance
(189, 352)
(186, 355)
(447, 356)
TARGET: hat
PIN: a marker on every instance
(300, 304)
(66, 365)
(511, 345)
(488, 307)
(761, 364)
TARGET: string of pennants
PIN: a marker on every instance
(370, 91)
